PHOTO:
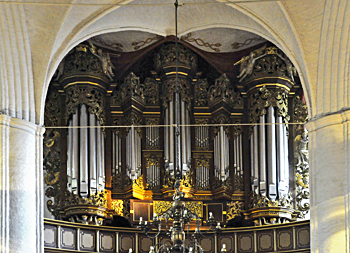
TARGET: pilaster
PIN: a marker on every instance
(21, 185)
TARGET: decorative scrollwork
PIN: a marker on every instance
(219, 183)
(151, 87)
(220, 119)
(117, 181)
(237, 45)
(81, 60)
(222, 89)
(201, 43)
(51, 152)
(195, 207)
(238, 183)
(133, 119)
(234, 208)
(137, 45)
(264, 98)
(169, 87)
(118, 206)
(257, 201)
(202, 162)
(201, 92)
(90, 96)
(264, 62)
(139, 183)
(97, 199)
(167, 57)
(301, 156)
(52, 109)
(187, 180)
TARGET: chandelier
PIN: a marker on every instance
(180, 215)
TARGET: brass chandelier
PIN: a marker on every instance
(178, 212)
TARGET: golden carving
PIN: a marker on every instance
(118, 206)
(202, 163)
(201, 92)
(90, 96)
(138, 183)
(51, 150)
(234, 208)
(258, 201)
(187, 180)
(238, 183)
(195, 207)
(264, 98)
(97, 199)
(169, 87)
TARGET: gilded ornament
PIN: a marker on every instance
(195, 207)
(187, 180)
(167, 57)
(151, 96)
(169, 87)
(264, 98)
(201, 92)
(138, 183)
(51, 153)
(257, 200)
(90, 96)
(238, 183)
(97, 199)
(266, 62)
(234, 208)
(118, 206)
(221, 119)
(202, 163)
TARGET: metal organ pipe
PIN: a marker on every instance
(75, 155)
(262, 152)
(271, 143)
(83, 152)
(92, 155)
(69, 157)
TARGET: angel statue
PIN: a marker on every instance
(291, 70)
(247, 63)
(105, 59)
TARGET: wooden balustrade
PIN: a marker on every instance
(61, 236)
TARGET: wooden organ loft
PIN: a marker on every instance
(116, 156)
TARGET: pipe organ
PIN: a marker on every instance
(235, 142)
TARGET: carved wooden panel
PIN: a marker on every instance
(303, 237)
(126, 241)
(245, 242)
(208, 243)
(228, 240)
(265, 240)
(284, 239)
(145, 243)
(141, 210)
(50, 236)
(107, 241)
(217, 209)
(68, 238)
(87, 240)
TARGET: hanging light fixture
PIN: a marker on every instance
(178, 213)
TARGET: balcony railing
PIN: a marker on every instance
(60, 236)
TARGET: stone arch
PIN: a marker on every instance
(258, 20)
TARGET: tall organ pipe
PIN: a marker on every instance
(271, 145)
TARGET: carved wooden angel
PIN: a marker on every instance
(247, 63)
(105, 59)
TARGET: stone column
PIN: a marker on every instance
(21, 181)
(329, 147)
